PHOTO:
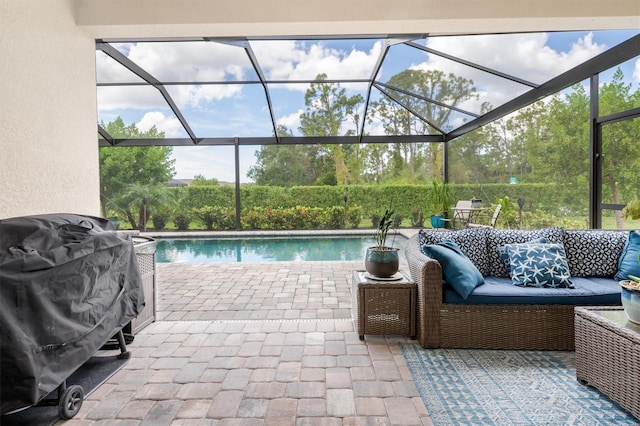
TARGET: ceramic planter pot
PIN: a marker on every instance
(631, 300)
(382, 263)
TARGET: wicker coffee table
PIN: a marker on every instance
(384, 307)
(608, 354)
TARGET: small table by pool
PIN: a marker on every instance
(607, 354)
(384, 307)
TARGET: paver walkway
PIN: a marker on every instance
(257, 344)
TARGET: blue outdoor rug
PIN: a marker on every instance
(499, 387)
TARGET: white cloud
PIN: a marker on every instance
(291, 121)
(129, 97)
(169, 125)
(291, 60)
(636, 71)
(527, 56)
(172, 62)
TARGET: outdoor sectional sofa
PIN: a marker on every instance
(498, 314)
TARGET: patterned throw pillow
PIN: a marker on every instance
(594, 253)
(501, 237)
(503, 252)
(472, 242)
(539, 265)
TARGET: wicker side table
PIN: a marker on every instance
(384, 307)
(607, 354)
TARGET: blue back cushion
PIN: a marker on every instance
(629, 264)
(457, 269)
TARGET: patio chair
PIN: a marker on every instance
(492, 222)
(461, 214)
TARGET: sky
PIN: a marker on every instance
(228, 109)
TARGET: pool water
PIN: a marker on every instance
(266, 249)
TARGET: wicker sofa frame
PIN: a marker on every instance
(443, 325)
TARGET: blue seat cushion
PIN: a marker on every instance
(596, 291)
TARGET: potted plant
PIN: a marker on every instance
(382, 261)
(630, 296)
(440, 201)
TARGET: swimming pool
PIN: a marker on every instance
(265, 249)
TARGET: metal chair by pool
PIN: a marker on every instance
(492, 222)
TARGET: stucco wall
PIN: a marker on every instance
(48, 136)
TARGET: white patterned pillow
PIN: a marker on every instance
(594, 253)
(500, 237)
(471, 241)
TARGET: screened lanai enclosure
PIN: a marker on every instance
(552, 119)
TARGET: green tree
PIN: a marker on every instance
(288, 165)
(425, 94)
(328, 108)
(621, 143)
(200, 180)
(123, 169)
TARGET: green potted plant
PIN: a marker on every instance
(630, 297)
(440, 202)
(382, 261)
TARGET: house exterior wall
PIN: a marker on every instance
(48, 136)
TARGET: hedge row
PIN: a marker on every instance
(221, 218)
(374, 199)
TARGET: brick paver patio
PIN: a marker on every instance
(257, 344)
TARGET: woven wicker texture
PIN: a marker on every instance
(385, 307)
(608, 354)
(146, 264)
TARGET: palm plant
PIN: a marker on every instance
(138, 201)
(383, 229)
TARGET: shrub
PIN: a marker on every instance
(253, 218)
(335, 217)
(354, 216)
(417, 217)
(160, 219)
(182, 222)
(207, 215)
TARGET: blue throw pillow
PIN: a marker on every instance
(457, 269)
(629, 264)
(539, 265)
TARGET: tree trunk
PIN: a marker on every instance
(615, 199)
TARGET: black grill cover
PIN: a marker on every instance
(68, 283)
